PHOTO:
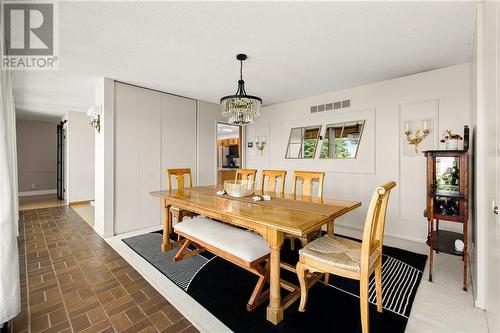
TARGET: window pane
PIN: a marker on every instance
(303, 142)
(342, 140)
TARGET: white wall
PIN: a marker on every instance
(477, 241)
(208, 115)
(442, 95)
(80, 158)
(104, 159)
(486, 108)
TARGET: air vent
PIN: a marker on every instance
(336, 105)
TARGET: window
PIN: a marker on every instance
(342, 140)
(303, 142)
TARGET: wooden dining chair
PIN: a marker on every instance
(348, 258)
(244, 174)
(179, 175)
(272, 177)
(306, 178)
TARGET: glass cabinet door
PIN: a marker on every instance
(447, 176)
(447, 182)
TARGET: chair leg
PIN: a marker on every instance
(301, 274)
(327, 278)
(378, 285)
(364, 305)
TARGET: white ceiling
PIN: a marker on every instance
(295, 49)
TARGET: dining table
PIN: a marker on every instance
(284, 214)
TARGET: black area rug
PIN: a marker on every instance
(223, 289)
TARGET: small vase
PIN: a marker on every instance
(452, 144)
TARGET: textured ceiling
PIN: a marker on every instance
(295, 49)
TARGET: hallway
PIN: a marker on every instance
(73, 281)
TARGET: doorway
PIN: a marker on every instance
(229, 151)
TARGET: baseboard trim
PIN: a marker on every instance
(37, 192)
(72, 203)
(390, 234)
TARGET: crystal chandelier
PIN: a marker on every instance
(240, 108)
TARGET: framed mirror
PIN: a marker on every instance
(303, 142)
(341, 141)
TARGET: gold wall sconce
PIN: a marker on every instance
(260, 142)
(94, 114)
(418, 137)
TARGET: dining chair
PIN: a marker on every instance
(348, 258)
(244, 174)
(179, 174)
(272, 177)
(306, 178)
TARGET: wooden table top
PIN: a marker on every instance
(290, 214)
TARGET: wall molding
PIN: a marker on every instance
(37, 192)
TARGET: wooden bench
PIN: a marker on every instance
(241, 247)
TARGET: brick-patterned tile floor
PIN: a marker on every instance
(73, 281)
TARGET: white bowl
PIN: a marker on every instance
(239, 188)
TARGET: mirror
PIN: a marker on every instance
(342, 140)
(303, 142)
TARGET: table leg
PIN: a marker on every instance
(275, 309)
(330, 227)
(167, 228)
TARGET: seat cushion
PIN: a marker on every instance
(243, 244)
(336, 251)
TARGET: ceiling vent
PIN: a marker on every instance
(336, 105)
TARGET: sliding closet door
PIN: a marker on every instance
(137, 157)
(178, 135)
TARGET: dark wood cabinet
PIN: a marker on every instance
(447, 200)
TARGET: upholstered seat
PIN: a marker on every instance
(240, 243)
(337, 251)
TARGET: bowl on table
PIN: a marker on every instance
(239, 188)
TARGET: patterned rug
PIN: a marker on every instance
(223, 289)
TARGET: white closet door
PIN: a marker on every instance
(137, 157)
(178, 139)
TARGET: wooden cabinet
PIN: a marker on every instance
(447, 200)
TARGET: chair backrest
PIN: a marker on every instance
(373, 233)
(179, 174)
(243, 174)
(307, 179)
(272, 176)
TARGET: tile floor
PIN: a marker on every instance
(73, 281)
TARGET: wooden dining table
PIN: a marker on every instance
(283, 214)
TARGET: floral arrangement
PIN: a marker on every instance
(451, 136)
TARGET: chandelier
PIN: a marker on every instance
(240, 108)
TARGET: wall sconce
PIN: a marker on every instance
(260, 142)
(94, 113)
(417, 138)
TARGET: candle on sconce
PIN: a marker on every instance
(256, 139)
(264, 139)
(425, 124)
(407, 126)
